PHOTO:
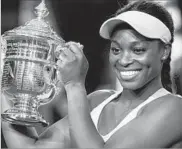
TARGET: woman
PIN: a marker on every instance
(144, 114)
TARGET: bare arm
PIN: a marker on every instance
(73, 67)
(22, 135)
(82, 129)
(56, 136)
(18, 136)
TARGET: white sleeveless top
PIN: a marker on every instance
(95, 114)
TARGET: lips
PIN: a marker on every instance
(130, 74)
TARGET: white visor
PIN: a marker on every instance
(143, 23)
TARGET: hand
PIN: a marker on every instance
(72, 63)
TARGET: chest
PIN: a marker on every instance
(111, 116)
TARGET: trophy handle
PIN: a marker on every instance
(48, 95)
(50, 77)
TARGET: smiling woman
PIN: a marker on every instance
(144, 114)
(135, 60)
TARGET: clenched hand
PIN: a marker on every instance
(72, 63)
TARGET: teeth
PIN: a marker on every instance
(129, 73)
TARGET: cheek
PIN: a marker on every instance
(112, 59)
(151, 62)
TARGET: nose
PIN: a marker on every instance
(125, 59)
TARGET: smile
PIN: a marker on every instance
(127, 75)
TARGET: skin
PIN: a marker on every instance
(159, 124)
(132, 52)
(147, 130)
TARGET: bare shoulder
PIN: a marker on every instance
(166, 111)
(158, 125)
(97, 97)
(166, 104)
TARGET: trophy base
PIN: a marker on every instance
(14, 116)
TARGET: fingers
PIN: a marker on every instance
(62, 56)
(58, 50)
(70, 51)
(69, 54)
(71, 62)
(76, 48)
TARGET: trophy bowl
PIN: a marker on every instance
(29, 76)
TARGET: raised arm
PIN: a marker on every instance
(73, 67)
(82, 129)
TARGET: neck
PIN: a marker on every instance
(143, 93)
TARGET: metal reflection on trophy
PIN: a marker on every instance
(29, 71)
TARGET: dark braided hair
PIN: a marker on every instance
(163, 15)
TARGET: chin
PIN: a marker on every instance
(130, 86)
(139, 84)
(134, 85)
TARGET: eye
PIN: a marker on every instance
(115, 50)
(139, 50)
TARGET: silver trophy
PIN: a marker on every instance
(29, 69)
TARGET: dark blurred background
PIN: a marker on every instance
(80, 20)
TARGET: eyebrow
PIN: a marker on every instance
(133, 42)
(115, 42)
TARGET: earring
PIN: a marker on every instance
(165, 55)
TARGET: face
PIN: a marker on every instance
(135, 60)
